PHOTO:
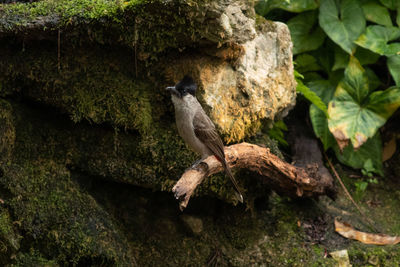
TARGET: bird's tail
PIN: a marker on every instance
(235, 184)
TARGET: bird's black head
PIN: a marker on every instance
(184, 87)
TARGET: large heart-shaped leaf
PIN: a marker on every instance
(354, 113)
(305, 35)
(376, 13)
(344, 23)
(265, 6)
(371, 151)
(376, 39)
(393, 63)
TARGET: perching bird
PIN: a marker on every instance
(195, 127)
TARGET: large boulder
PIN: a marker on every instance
(82, 99)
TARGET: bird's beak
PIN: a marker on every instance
(173, 90)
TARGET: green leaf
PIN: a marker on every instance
(311, 96)
(376, 13)
(391, 4)
(305, 63)
(324, 55)
(356, 80)
(365, 57)
(297, 6)
(325, 90)
(305, 35)
(371, 150)
(384, 103)
(354, 113)
(376, 39)
(398, 17)
(276, 132)
(341, 58)
(344, 23)
(320, 126)
(373, 79)
(393, 63)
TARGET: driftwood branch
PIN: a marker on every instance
(278, 174)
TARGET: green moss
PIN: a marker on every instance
(133, 23)
(361, 255)
(92, 85)
(21, 14)
(33, 258)
(60, 218)
(7, 131)
(9, 239)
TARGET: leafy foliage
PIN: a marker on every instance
(355, 71)
(355, 113)
(306, 37)
(342, 23)
(265, 6)
(376, 39)
(309, 94)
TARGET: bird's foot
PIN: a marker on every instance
(198, 165)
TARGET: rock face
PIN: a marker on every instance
(83, 102)
(248, 79)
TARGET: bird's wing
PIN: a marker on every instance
(206, 132)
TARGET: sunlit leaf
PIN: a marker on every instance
(356, 80)
(305, 35)
(376, 13)
(376, 39)
(371, 150)
(344, 23)
(354, 113)
(265, 6)
(384, 103)
(393, 63)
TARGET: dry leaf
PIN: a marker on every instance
(348, 231)
(388, 149)
(341, 257)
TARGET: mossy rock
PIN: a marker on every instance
(57, 216)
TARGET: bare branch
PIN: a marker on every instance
(278, 174)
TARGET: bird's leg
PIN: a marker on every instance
(199, 164)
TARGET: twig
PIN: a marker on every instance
(348, 194)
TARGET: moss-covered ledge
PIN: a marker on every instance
(139, 24)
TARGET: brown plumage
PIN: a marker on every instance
(207, 134)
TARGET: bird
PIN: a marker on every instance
(196, 128)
